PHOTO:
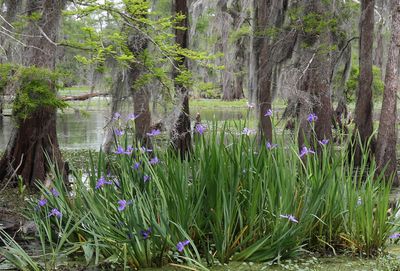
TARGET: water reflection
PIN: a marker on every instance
(78, 130)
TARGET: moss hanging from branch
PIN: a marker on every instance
(33, 87)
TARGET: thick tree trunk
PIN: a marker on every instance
(364, 105)
(264, 65)
(387, 134)
(181, 137)
(137, 44)
(36, 135)
(315, 80)
(268, 52)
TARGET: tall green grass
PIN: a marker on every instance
(231, 200)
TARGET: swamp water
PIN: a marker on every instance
(78, 131)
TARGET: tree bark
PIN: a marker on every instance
(234, 52)
(387, 133)
(37, 134)
(268, 53)
(364, 104)
(263, 65)
(379, 49)
(119, 88)
(181, 137)
(315, 79)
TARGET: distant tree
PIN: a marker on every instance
(36, 134)
(181, 137)
(233, 43)
(364, 105)
(387, 133)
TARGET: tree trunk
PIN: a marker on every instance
(36, 135)
(315, 81)
(137, 44)
(181, 138)
(234, 52)
(268, 52)
(364, 105)
(119, 88)
(264, 65)
(387, 134)
(379, 49)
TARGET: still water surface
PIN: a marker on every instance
(78, 131)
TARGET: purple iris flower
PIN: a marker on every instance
(120, 150)
(154, 132)
(247, 131)
(268, 113)
(116, 116)
(129, 150)
(323, 141)
(55, 192)
(102, 181)
(144, 149)
(136, 165)
(200, 128)
(395, 236)
(42, 202)
(154, 160)
(132, 116)
(181, 245)
(145, 233)
(271, 146)
(305, 151)
(55, 212)
(122, 205)
(146, 178)
(312, 117)
(291, 218)
(119, 132)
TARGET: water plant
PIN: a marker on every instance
(234, 199)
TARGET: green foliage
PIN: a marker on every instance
(352, 83)
(208, 90)
(6, 71)
(34, 88)
(139, 22)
